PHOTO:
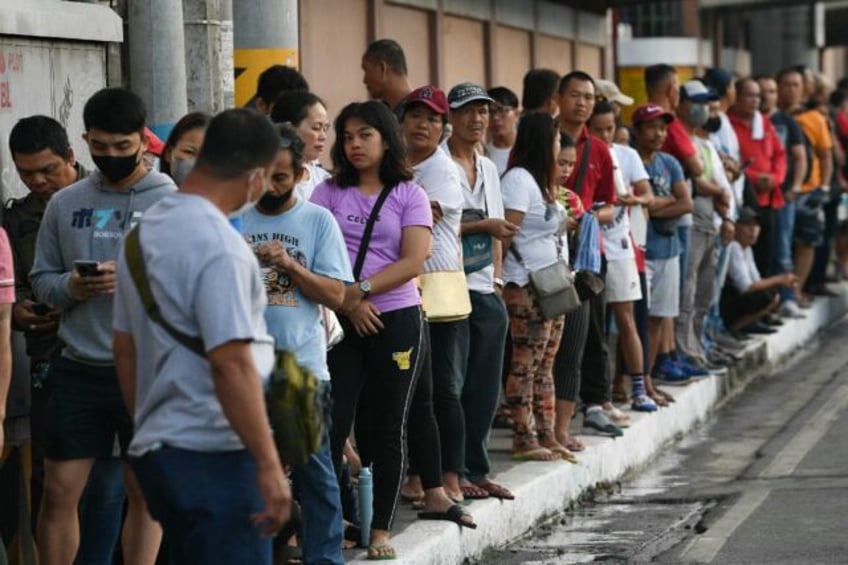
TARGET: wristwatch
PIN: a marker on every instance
(365, 287)
(499, 282)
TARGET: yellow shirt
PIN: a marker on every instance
(815, 127)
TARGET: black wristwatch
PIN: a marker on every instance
(365, 288)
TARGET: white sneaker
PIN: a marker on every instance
(791, 310)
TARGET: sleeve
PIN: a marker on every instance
(678, 142)
(331, 257)
(49, 277)
(605, 191)
(223, 302)
(416, 207)
(120, 317)
(822, 133)
(675, 169)
(738, 269)
(794, 136)
(493, 193)
(515, 190)
(7, 271)
(635, 168)
(322, 196)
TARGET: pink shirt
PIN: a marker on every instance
(407, 205)
(7, 271)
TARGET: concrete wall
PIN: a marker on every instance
(465, 58)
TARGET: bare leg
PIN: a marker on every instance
(142, 535)
(58, 521)
(804, 258)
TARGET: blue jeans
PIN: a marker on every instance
(783, 252)
(482, 341)
(317, 490)
(101, 508)
(204, 501)
(683, 234)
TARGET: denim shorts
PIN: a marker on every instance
(809, 218)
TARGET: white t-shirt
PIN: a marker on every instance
(726, 141)
(628, 170)
(438, 175)
(314, 174)
(500, 157)
(484, 195)
(741, 266)
(206, 281)
(541, 227)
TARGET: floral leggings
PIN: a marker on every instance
(530, 385)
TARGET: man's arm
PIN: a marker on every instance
(826, 159)
(798, 155)
(123, 347)
(322, 290)
(49, 277)
(682, 202)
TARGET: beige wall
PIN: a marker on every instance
(331, 51)
(553, 53)
(512, 53)
(411, 28)
(589, 58)
(463, 52)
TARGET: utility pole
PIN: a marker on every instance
(266, 33)
(202, 26)
(157, 60)
(228, 73)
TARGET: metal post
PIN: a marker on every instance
(265, 33)
(157, 60)
(202, 26)
(228, 77)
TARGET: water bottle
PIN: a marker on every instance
(366, 505)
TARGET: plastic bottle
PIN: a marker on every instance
(366, 505)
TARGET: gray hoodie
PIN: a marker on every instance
(87, 221)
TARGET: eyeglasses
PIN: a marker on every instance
(501, 109)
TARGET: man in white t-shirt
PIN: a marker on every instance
(622, 279)
(503, 126)
(482, 229)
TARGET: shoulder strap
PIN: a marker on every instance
(366, 236)
(584, 164)
(138, 270)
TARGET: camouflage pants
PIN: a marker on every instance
(530, 385)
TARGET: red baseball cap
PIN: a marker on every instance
(648, 112)
(154, 144)
(431, 96)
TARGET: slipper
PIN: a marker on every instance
(471, 491)
(453, 514)
(656, 397)
(413, 498)
(575, 445)
(537, 454)
(381, 552)
(495, 490)
(564, 454)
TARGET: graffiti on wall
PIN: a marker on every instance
(11, 64)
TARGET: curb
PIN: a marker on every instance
(544, 489)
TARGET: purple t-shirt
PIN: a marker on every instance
(406, 205)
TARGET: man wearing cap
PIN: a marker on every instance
(671, 201)
(760, 145)
(483, 224)
(587, 325)
(746, 297)
(724, 138)
(608, 90)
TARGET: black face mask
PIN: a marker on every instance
(273, 202)
(713, 124)
(116, 169)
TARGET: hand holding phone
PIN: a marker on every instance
(92, 278)
(87, 268)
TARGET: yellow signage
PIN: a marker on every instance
(631, 81)
(249, 64)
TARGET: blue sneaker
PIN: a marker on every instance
(690, 369)
(643, 403)
(670, 373)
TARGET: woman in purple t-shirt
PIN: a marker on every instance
(374, 370)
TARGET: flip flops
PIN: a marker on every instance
(470, 491)
(381, 552)
(453, 514)
(495, 490)
(535, 454)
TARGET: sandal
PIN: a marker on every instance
(563, 452)
(470, 491)
(575, 445)
(657, 397)
(381, 552)
(535, 454)
(453, 514)
(495, 490)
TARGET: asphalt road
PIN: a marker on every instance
(766, 481)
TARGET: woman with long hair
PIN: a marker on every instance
(183, 145)
(375, 368)
(530, 191)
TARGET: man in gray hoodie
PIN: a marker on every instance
(74, 272)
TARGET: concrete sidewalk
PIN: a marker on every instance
(546, 489)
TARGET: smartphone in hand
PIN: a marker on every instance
(87, 268)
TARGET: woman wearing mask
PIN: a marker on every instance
(374, 370)
(308, 114)
(183, 145)
(530, 191)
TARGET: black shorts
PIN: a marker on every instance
(809, 219)
(85, 412)
(734, 305)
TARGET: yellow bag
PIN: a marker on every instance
(444, 296)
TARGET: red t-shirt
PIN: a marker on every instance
(678, 143)
(599, 183)
(767, 157)
(7, 271)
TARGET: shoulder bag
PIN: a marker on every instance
(588, 284)
(295, 403)
(444, 295)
